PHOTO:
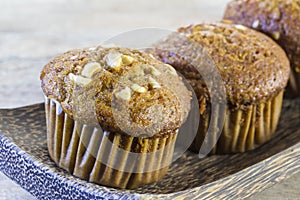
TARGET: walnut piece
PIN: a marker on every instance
(154, 71)
(240, 27)
(127, 60)
(79, 79)
(114, 59)
(124, 94)
(90, 69)
(137, 88)
(171, 69)
(154, 84)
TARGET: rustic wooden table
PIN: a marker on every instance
(32, 31)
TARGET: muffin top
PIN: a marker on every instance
(123, 90)
(252, 66)
(280, 19)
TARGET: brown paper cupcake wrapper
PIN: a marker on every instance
(87, 153)
(293, 89)
(243, 130)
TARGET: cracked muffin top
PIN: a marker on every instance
(122, 90)
(252, 66)
(280, 19)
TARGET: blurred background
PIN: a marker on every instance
(33, 31)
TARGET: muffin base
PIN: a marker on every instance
(243, 130)
(80, 148)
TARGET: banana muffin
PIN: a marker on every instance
(254, 71)
(112, 115)
(280, 19)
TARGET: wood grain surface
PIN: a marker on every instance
(213, 177)
(32, 31)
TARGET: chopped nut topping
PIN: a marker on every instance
(74, 57)
(154, 71)
(276, 35)
(255, 24)
(154, 84)
(124, 94)
(137, 88)
(241, 27)
(172, 70)
(90, 69)
(127, 60)
(140, 71)
(72, 76)
(79, 79)
(114, 59)
(92, 48)
(152, 56)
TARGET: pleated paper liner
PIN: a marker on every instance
(87, 153)
(293, 89)
(243, 129)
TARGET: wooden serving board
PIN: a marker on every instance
(24, 158)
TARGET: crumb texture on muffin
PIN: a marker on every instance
(121, 89)
(254, 71)
(113, 115)
(253, 67)
(280, 19)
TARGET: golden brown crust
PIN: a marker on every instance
(279, 19)
(122, 89)
(253, 67)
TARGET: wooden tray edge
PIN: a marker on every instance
(255, 178)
